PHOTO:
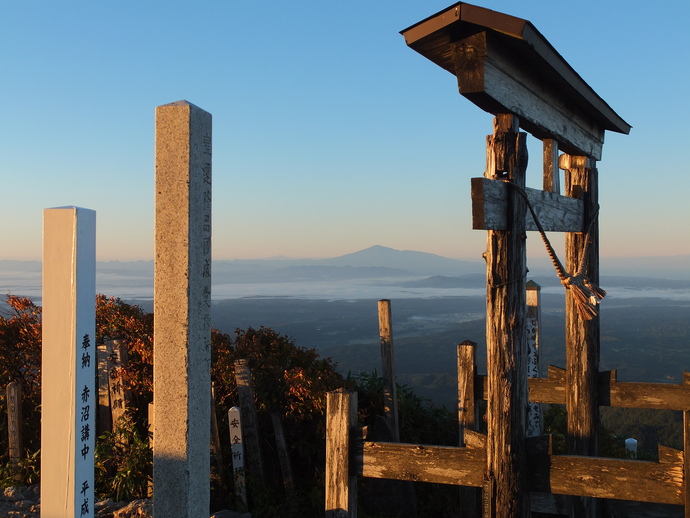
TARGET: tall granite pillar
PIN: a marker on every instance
(182, 303)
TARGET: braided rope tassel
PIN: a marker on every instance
(586, 294)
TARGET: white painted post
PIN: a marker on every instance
(237, 446)
(68, 397)
(533, 300)
(182, 302)
(631, 447)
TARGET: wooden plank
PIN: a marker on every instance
(506, 337)
(341, 479)
(548, 503)
(686, 461)
(556, 213)
(15, 446)
(390, 395)
(474, 439)
(621, 394)
(283, 456)
(420, 463)
(650, 395)
(466, 398)
(119, 395)
(250, 425)
(237, 450)
(533, 320)
(582, 335)
(216, 449)
(104, 421)
(492, 78)
(551, 174)
(544, 390)
(596, 477)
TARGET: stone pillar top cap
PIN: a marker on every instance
(181, 103)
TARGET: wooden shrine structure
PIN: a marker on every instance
(507, 68)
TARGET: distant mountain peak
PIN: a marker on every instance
(409, 260)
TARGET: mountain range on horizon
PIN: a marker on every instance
(374, 262)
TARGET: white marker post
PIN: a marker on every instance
(237, 445)
(68, 397)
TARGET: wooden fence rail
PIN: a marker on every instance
(348, 456)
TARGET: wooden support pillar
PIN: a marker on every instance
(582, 336)
(283, 454)
(686, 450)
(506, 493)
(390, 395)
(534, 421)
(104, 421)
(15, 447)
(341, 479)
(250, 425)
(470, 497)
(467, 368)
(552, 179)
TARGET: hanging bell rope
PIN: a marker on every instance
(586, 294)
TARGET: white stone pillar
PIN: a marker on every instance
(182, 302)
(68, 396)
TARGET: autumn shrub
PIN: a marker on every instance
(291, 381)
(20, 361)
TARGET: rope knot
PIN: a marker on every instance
(586, 294)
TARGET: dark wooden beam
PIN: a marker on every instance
(497, 80)
(596, 477)
(612, 393)
(556, 213)
(420, 463)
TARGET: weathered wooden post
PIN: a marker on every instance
(104, 422)
(467, 370)
(534, 419)
(467, 417)
(119, 396)
(341, 479)
(68, 397)
(182, 301)
(582, 335)
(506, 341)
(250, 426)
(15, 448)
(237, 448)
(390, 394)
(283, 455)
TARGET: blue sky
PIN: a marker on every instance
(330, 135)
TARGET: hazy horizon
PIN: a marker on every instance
(376, 272)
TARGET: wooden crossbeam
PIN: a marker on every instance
(642, 481)
(613, 393)
(556, 213)
(421, 463)
(620, 479)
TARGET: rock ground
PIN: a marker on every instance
(24, 502)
